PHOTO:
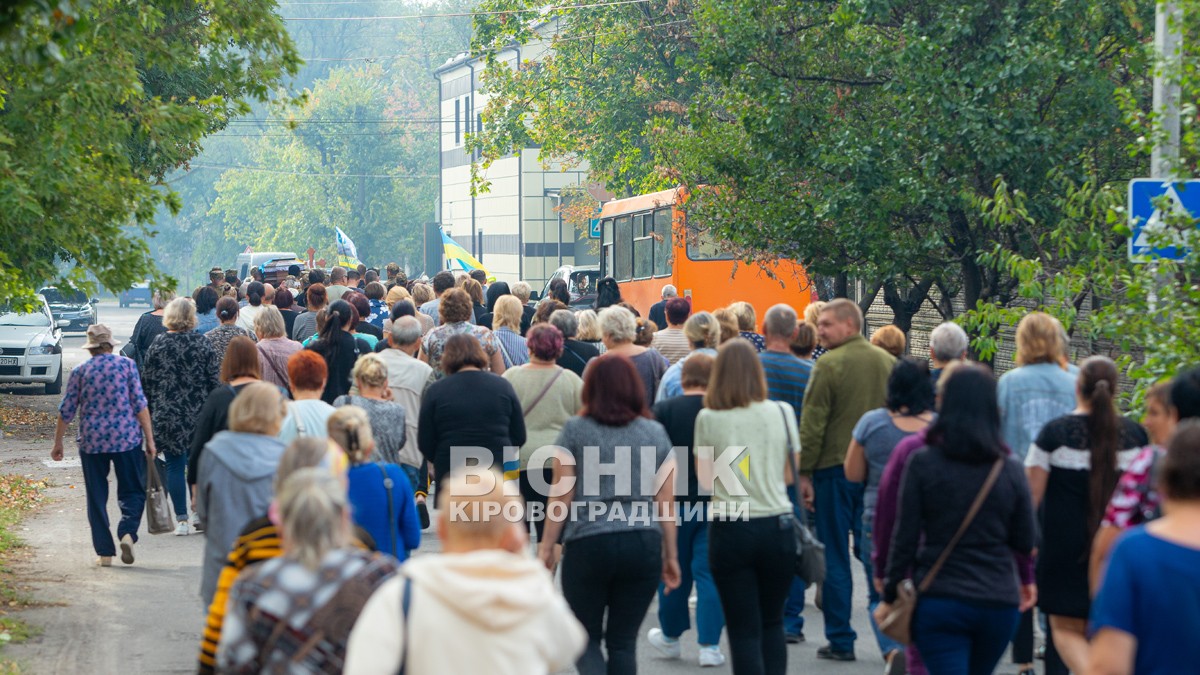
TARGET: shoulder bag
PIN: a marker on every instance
(545, 390)
(158, 511)
(810, 553)
(391, 509)
(898, 623)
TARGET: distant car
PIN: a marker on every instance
(71, 306)
(581, 281)
(140, 293)
(31, 347)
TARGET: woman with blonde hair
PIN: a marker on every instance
(728, 323)
(752, 558)
(294, 612)
(702, 333)
(890, 339)
(618, 328)
(179, 370)
(589, 328)
(374, 396)
(274, 347)
(811, 314)
(379, 491)
(506, 325)
(235, 474)
(748, 324)
(421, 294)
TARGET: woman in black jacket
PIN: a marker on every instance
(339, 348)
(968, 615)
(469, 408)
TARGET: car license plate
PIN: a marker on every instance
(8, 361)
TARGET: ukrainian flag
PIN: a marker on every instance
(457, 257)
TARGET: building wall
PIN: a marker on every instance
(512, 228)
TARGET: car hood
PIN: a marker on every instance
(23, 336)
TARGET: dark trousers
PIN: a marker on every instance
(957, 637)
(176, 485)
(533, 495)
(130, 470)
(839, 509)
(753, 563)
(618, 573)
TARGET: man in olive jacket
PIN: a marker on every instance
(849, 380)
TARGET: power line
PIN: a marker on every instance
(265, 169)
(539, 10)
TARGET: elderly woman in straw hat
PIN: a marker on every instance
(106, 395)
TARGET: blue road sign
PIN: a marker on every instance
(1145, 218)
(594, 228)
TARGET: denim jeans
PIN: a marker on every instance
(886, 644)
(130, 470)
(752, 563)
(673, 614)
(618, 573)
(839, 507)
(958, 637)
(176, 485)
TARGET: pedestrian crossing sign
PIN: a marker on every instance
(1152, 203)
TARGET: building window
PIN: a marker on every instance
(457, 121)
(469, 118)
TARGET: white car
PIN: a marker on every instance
(31, 348)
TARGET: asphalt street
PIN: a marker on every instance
(147, 618)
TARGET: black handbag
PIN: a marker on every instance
(810, 553)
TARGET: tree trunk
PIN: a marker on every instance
(905, 305)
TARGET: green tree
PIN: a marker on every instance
(93, 118)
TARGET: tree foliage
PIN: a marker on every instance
(97, 107)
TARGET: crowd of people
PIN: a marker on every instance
(303, 429)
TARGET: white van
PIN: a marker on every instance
(246, 261)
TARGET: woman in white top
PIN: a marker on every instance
(751, 547)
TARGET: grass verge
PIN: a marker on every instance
(18, 496)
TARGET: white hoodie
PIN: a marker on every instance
(487, 611)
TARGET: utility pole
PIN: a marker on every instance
(1168, 48)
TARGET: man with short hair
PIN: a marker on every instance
(522, 290)
(371, 276)
(407, 377)
(354, 279)
(849, 380)
(337, 285)
(481, 277)
(787, 377)
(670, 341)
(658, 311)
(441, 282)
(361, 273)
(268, 294)
(947, 343)
(391, 270)
(482, 591)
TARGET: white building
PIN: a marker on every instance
(513, 228)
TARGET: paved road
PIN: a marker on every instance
(147, 618)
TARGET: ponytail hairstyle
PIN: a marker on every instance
(350, 428)
(1098, 386)
(645, 332)
(313, 506)
(227, 309)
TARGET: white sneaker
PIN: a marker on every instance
(181, 528)
(711, 656)
(197, 524)
(665, 645)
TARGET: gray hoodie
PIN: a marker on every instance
(233, 487)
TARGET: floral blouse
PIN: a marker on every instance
(180, 369)
(107, 395)
(222, 335)
(435, 343)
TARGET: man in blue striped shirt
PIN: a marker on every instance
(787, 378)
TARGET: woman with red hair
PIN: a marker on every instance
(307, 413)
(619, 539)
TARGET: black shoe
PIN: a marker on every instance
(794, 638)
(829, 653)
(423, 515)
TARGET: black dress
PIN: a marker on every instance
(1063, 449)
(179, 370)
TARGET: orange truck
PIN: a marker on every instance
(646, 243)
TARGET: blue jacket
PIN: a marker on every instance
(369, 507)
(1029, 397)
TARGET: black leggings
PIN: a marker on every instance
(536, 515)
(615, 572)
(752, 564)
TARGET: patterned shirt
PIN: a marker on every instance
(435, 342)
(107, 394)
(222, 335)
(1136, 501)
(755, 339)
(671, 343)
(379, 312)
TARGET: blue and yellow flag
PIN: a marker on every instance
(457, 257)
(347, 252)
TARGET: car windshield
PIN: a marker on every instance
(57, 297)
(583, 284)
(11, 318)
